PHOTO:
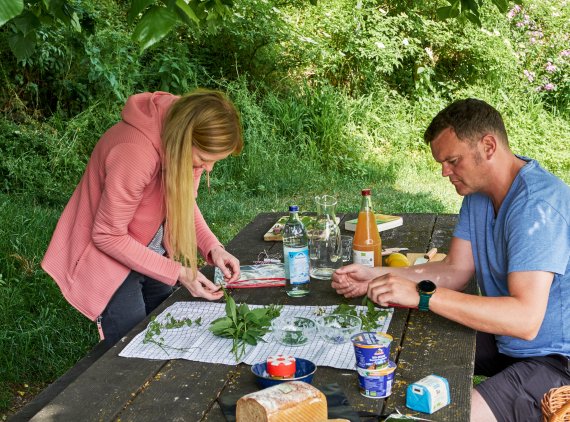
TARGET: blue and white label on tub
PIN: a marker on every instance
(428, 394)
(298, 260)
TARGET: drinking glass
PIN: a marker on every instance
(325, 248)
(346, 241)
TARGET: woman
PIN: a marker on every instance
(131, 229)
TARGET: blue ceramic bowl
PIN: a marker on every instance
(305, 369)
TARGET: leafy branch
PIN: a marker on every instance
(244, 325)
(155, 330)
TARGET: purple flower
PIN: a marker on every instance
(526, 19)
(565, 53)
(549, 87)
(550, 67)
(514, 11)
(529, 75)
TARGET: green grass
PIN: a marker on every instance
(40, 334)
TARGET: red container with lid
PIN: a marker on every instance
(281, 366)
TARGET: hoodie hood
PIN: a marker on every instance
(146, 112)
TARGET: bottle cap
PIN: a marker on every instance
(366, 192)
(293, 208)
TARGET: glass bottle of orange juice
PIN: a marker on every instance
(367, 245)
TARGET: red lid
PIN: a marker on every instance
(366, 192)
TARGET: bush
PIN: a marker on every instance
(540, 34)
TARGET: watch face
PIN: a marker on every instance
(426, 286)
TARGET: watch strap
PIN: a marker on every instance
(424, 301)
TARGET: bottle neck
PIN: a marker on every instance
(366, 204)
(293, 215)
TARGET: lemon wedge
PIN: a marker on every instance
(397, 260)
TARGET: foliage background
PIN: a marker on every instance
(334, 97)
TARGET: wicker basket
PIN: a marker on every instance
(556, 405)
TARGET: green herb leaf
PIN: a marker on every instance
(244, 325)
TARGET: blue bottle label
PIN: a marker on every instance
(298, 260)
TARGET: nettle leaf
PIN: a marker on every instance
(251, 317)
(154, 25)
(221, 324)
(250, 338)
(243, 309)
(257, 332)
(345, 308)
(10, 9)
(230, 306)
(259, 313)
(249, 325)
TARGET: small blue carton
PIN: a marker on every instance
(428, 394)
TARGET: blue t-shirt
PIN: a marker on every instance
(531, 232)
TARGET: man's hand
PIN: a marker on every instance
(352, 280)
(226, 262)
(199, 286)
(392, 289)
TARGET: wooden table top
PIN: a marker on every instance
(132, 389)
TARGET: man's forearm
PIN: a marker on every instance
(442, 273)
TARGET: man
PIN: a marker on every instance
(513, 234)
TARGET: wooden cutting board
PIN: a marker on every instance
(413, 256)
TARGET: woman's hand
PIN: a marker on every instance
(226, 262)
(392, 289)
(352, 280)
(199, 286)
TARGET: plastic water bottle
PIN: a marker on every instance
(296, 255)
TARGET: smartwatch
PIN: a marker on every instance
(425, 288)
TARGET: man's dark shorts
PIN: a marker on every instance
(516, 387)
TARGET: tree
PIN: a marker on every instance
(156, 18)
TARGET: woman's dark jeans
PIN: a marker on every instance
(137, 297)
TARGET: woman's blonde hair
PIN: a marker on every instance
(206, 120)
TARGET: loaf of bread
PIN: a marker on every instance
(290, 401)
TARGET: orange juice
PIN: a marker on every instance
(367, 245)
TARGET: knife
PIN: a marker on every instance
(427, 257)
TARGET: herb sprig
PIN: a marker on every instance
(369, 317)
(154, 331)
(243, 325)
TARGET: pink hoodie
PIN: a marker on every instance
(116, 210)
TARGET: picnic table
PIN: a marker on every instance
(107, 387)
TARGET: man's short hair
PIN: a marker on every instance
(470, 119)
